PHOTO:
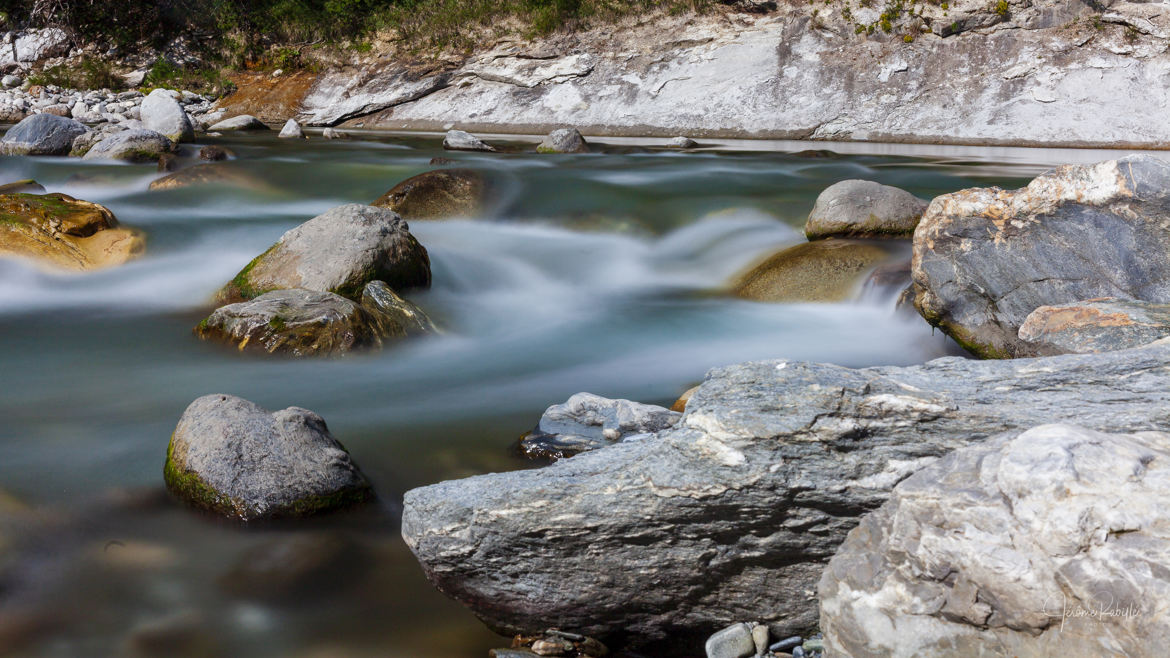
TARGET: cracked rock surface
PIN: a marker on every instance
(732, 513)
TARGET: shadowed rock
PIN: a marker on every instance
(438, 195)
(233, 457)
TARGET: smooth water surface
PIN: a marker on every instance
(598, 273)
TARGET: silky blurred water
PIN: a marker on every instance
(598, 273)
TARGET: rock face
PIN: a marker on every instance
(291, 130)
(731, 514)
(1095, 325)
(296, 323)
(438, 194)
(588, 422)
(41, 134)
(864, 209)
(821, 271)
(458, 140)
(1049, 542)
(339, 251)
(162, 113)
(985, 258)
(234, 458)
(131, 146)
(240, 122)
(64, 233)
(563, 140)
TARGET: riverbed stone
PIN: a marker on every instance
(61, 232)
(42, 134)
(821, 271)
(732, 513)
(1047, 542)
(1095, 325)
(295, 322)
(438, 194)
(563, 140)
(136, 145)
(986, 258)
(214, 153)
(162, 113)
(300, 567)
(234, 458)
(399, 317)
(340, 251)
(458, 140)
(291, 130)
(588, 422)
(864, 209)
(239, 122)
(209, 174)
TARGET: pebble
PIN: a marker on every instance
(798, 652)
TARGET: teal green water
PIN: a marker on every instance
(592, 273)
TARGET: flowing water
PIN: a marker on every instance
(596, 273)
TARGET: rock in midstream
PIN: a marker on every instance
(459, 140)
(438, 194)
(64, 233)
(985, 258)
(1049, 542)
(864, 209)
(211, 173)
(733, 513)
(232, 457)
(821, 271)
(339, 251)
(588, 422)
(563, 140)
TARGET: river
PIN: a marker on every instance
(597, 273)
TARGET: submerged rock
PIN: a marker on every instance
(1047, 542)
(438, 194)
(458, 140)
(291, 130)
(732, 513)
(240, 122)
(1096, 325)
(986, 258)
(214, 153)
(821, 271)
(864, 209)
(26, 186)
(297, 568)
(233, 457)
(587, 422)
(564, 140)
(333, 133)
(207, 174)
(340, 251)
(294, 322)
(162, 113)
(131, 146)
(63, 232)
(42, 134)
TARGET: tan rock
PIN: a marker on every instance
(822, 271)
(64, 233)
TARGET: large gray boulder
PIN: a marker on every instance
(233, 457)
(588, 422)
(864, 209)
(131, 146)
(162, 113)
(42, 134)
(239, 122)
(1095, 325)
(339, 251)
(563, 140)
(295, 323)
(732, 514)
(985, 258)
(1050, 542)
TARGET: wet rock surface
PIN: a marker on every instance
(1046, 542)
(234, 458)
(821, 271)
(864, 209)
(340, 251)
(986, 258)
(438, 194)
(771, 466)
(398, 317)
(1096, 325)
(62, 232)
(588, 422)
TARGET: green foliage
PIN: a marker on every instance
(168, 75)
(89, 73)
(1002, 8)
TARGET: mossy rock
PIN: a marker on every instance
(64, 233)
(821, 271)
(339, 251)
(438, 195)
(234, 458)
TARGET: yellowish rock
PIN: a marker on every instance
(61, 232)
(822, 271)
